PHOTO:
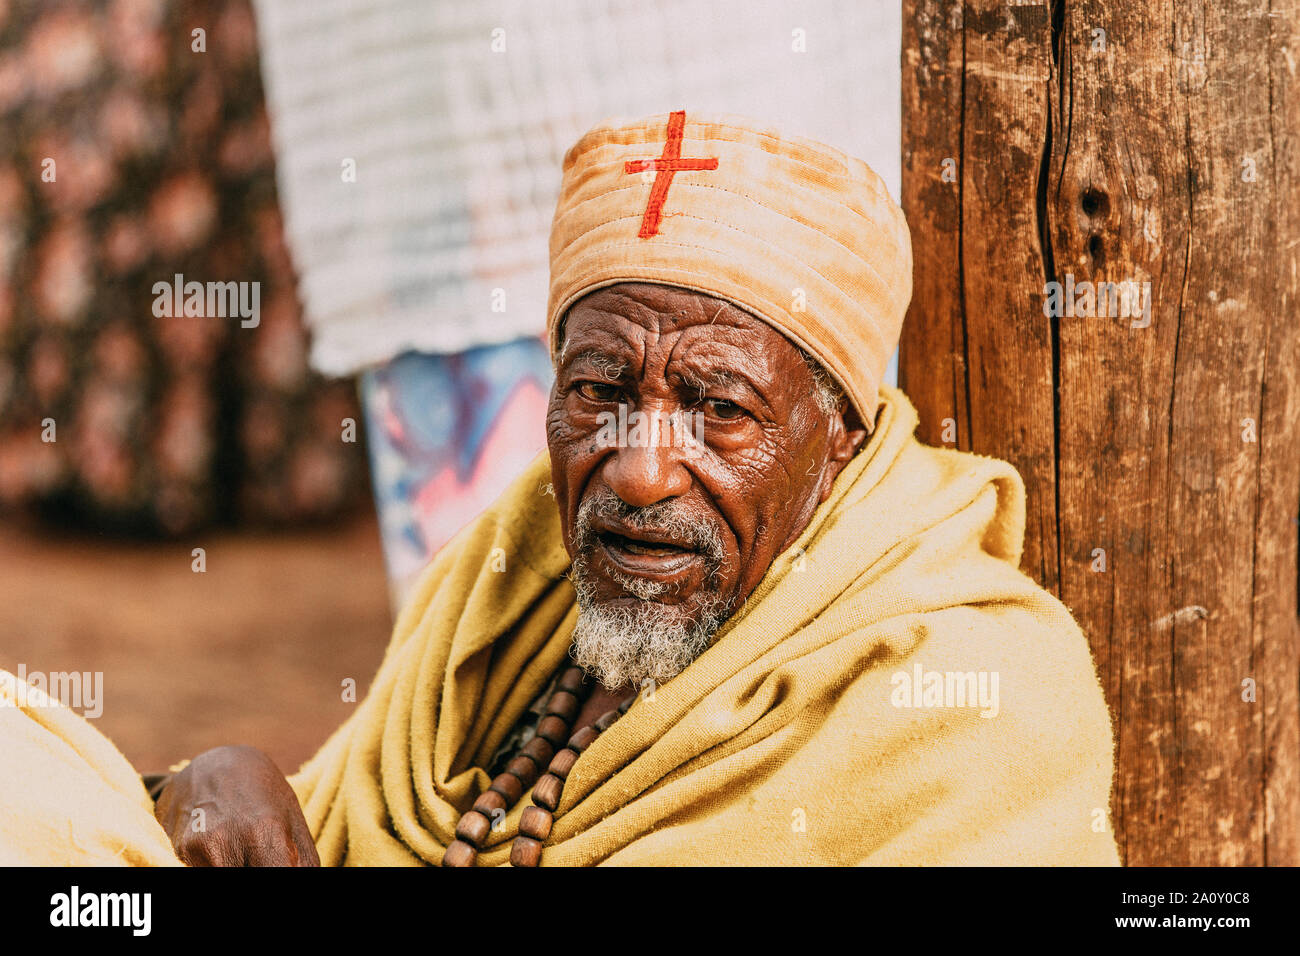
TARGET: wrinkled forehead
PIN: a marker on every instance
(636, 319)
(637, 314)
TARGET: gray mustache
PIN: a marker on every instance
(666, 517)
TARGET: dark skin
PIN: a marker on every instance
(768, 458)
(250, 815)
(770, 454)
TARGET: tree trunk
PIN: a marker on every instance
(1156, 142)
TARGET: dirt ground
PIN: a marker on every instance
(253, 650)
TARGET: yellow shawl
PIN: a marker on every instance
(68, 797)
(786, 742)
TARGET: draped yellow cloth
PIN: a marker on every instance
(789, 741)
(68, 797)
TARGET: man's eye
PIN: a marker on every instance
(723, 409)
(598, 391)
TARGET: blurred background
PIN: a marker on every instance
(221, 515)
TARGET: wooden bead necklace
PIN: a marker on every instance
(547, 749)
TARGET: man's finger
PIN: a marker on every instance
(307, 853)
(270, 845)
(203, 850)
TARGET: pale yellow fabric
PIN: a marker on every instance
(780, 744)
(796, 232)
(68, 797)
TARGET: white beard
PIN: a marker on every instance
(644, 641)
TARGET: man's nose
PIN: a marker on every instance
(646, 474)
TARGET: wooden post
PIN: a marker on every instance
(1156, 143)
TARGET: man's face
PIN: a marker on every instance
(670, 532)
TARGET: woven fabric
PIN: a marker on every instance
(457, 116)
(68, 797)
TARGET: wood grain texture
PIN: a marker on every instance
(1164, 151)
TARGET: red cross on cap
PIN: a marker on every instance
(666, 166)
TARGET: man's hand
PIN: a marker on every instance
(232, 807)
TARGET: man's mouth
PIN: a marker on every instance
(647, 553)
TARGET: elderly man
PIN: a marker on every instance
(737, 614)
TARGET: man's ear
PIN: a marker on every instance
(846, 437)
